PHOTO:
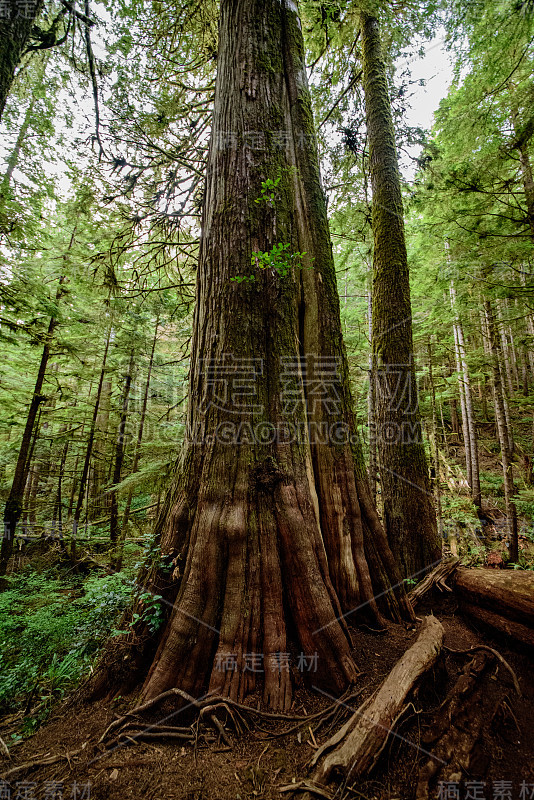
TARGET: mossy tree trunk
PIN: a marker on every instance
(272, 535)
(408, 503)
(16, 25)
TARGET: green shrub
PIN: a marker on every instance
(50, 632)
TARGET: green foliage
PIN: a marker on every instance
(50, 632)
(460, 510)
(491, 485)
(524, 502)
(151, 611)
(268, 190)
(279, 258)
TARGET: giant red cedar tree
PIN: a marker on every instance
(408, 503)
(270, 540)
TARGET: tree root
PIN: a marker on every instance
(355, 748)
(39, 762)
(308, 786)
(130, 727)
(497, 655)
(456, 726)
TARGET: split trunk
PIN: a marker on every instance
(269, 524)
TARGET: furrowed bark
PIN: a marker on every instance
(15, 31)
(408, 503)
(271, 536)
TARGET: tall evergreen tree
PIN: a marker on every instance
(269, 533)
(408, 503)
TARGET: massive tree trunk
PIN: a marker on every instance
(15, 30)
(269, 523)
(408, 502)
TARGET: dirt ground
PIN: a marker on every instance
(263, 760)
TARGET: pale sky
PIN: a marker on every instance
(436, 69)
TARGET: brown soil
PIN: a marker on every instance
(262, 761)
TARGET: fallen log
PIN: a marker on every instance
(437, 578)
(515, 630)
(499, 599)
(355, 748)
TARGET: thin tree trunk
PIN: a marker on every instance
(13, 158)
(465, 428)
(435, 447)
(470, 434)
(530, 350)
(371, 402)
(505, 360)
(137, 452)
(13, 507)
(88, 452)
(99, 500)
(444, 431)
(502, 432)
(32, 496)
(120, 445)
(59, 496)
(408, 502)
(455, 423)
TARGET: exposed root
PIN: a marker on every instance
(130, 728)
(497, 655)
(39, 762)
(455, 728)
(308, 786)
(355, 748)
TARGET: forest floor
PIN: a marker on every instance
(266, 759)
(259, 763)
